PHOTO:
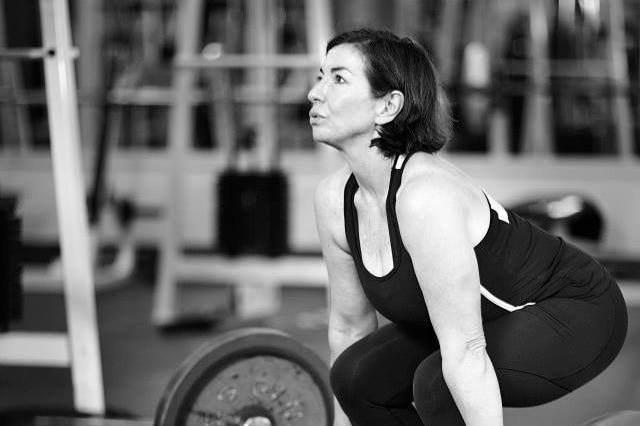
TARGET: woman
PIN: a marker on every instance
(485, 309)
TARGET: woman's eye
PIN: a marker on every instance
(338, 79)
(319, 77)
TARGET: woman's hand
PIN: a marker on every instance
(340, 418)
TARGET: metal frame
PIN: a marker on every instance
(79, 347)
(173, 264)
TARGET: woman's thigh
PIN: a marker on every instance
(546, 350)
(380, 366)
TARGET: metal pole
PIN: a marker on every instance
(319, 31)
(180, 138)
(91, 71)
(12, 80)
(261, 35)
(619, 75)
(86, 369)
(537, 135)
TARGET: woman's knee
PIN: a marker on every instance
(351, 375)
(354, 377)
(428, 382)
(341, 377)
(432, 398)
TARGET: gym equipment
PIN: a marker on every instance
(583, 116)
(570, 79)
(253, 205)
(249, 377)
(252, 213)
(243, 377)
(573, 216)
(245, 272)
(474, 100)
(104, 127)
(79, 347)
(536, 135)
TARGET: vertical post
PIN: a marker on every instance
(91, 75)
(223, 117)
(71, 208)
(363, 13)
(619, 76)
(318, 18)
(150, 25)
(7, 132)
(180, 137)
(537, 135)
(261, 32)
(408, 17)
(319, 29)
(11, 78)
(447, 35)
(475, 102)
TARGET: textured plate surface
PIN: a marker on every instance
(245, 374)
(284, 390)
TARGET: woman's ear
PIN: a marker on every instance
(391, 105)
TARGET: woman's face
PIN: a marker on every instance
(343, 107)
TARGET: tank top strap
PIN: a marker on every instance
(396, 173)
(349, 215)
(394, 229)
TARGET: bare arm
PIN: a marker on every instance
(434, 227)
(351, 316)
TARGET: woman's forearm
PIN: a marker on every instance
(474, 387)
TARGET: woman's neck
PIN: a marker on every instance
(371, 169)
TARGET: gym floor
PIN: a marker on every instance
(138, 358)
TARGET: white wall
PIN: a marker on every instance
(613, 185)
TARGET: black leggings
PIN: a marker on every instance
(540, 353)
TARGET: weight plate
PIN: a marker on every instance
(249, 377)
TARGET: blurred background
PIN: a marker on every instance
(198, 167)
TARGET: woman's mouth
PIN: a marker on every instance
(314, 117)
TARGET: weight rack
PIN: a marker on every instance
(79, 347)
(254, 277)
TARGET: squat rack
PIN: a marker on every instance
(78, 348)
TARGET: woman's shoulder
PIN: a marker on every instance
(431, 184)
(437, 189)
(428, 181)
(329, 195)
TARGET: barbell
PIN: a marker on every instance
(249, 377)
(255, 377)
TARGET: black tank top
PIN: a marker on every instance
(519, 263)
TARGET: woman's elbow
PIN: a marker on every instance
(350, 326)
(467, 358)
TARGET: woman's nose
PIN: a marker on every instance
(315, 94)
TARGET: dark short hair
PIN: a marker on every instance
(394, 63)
